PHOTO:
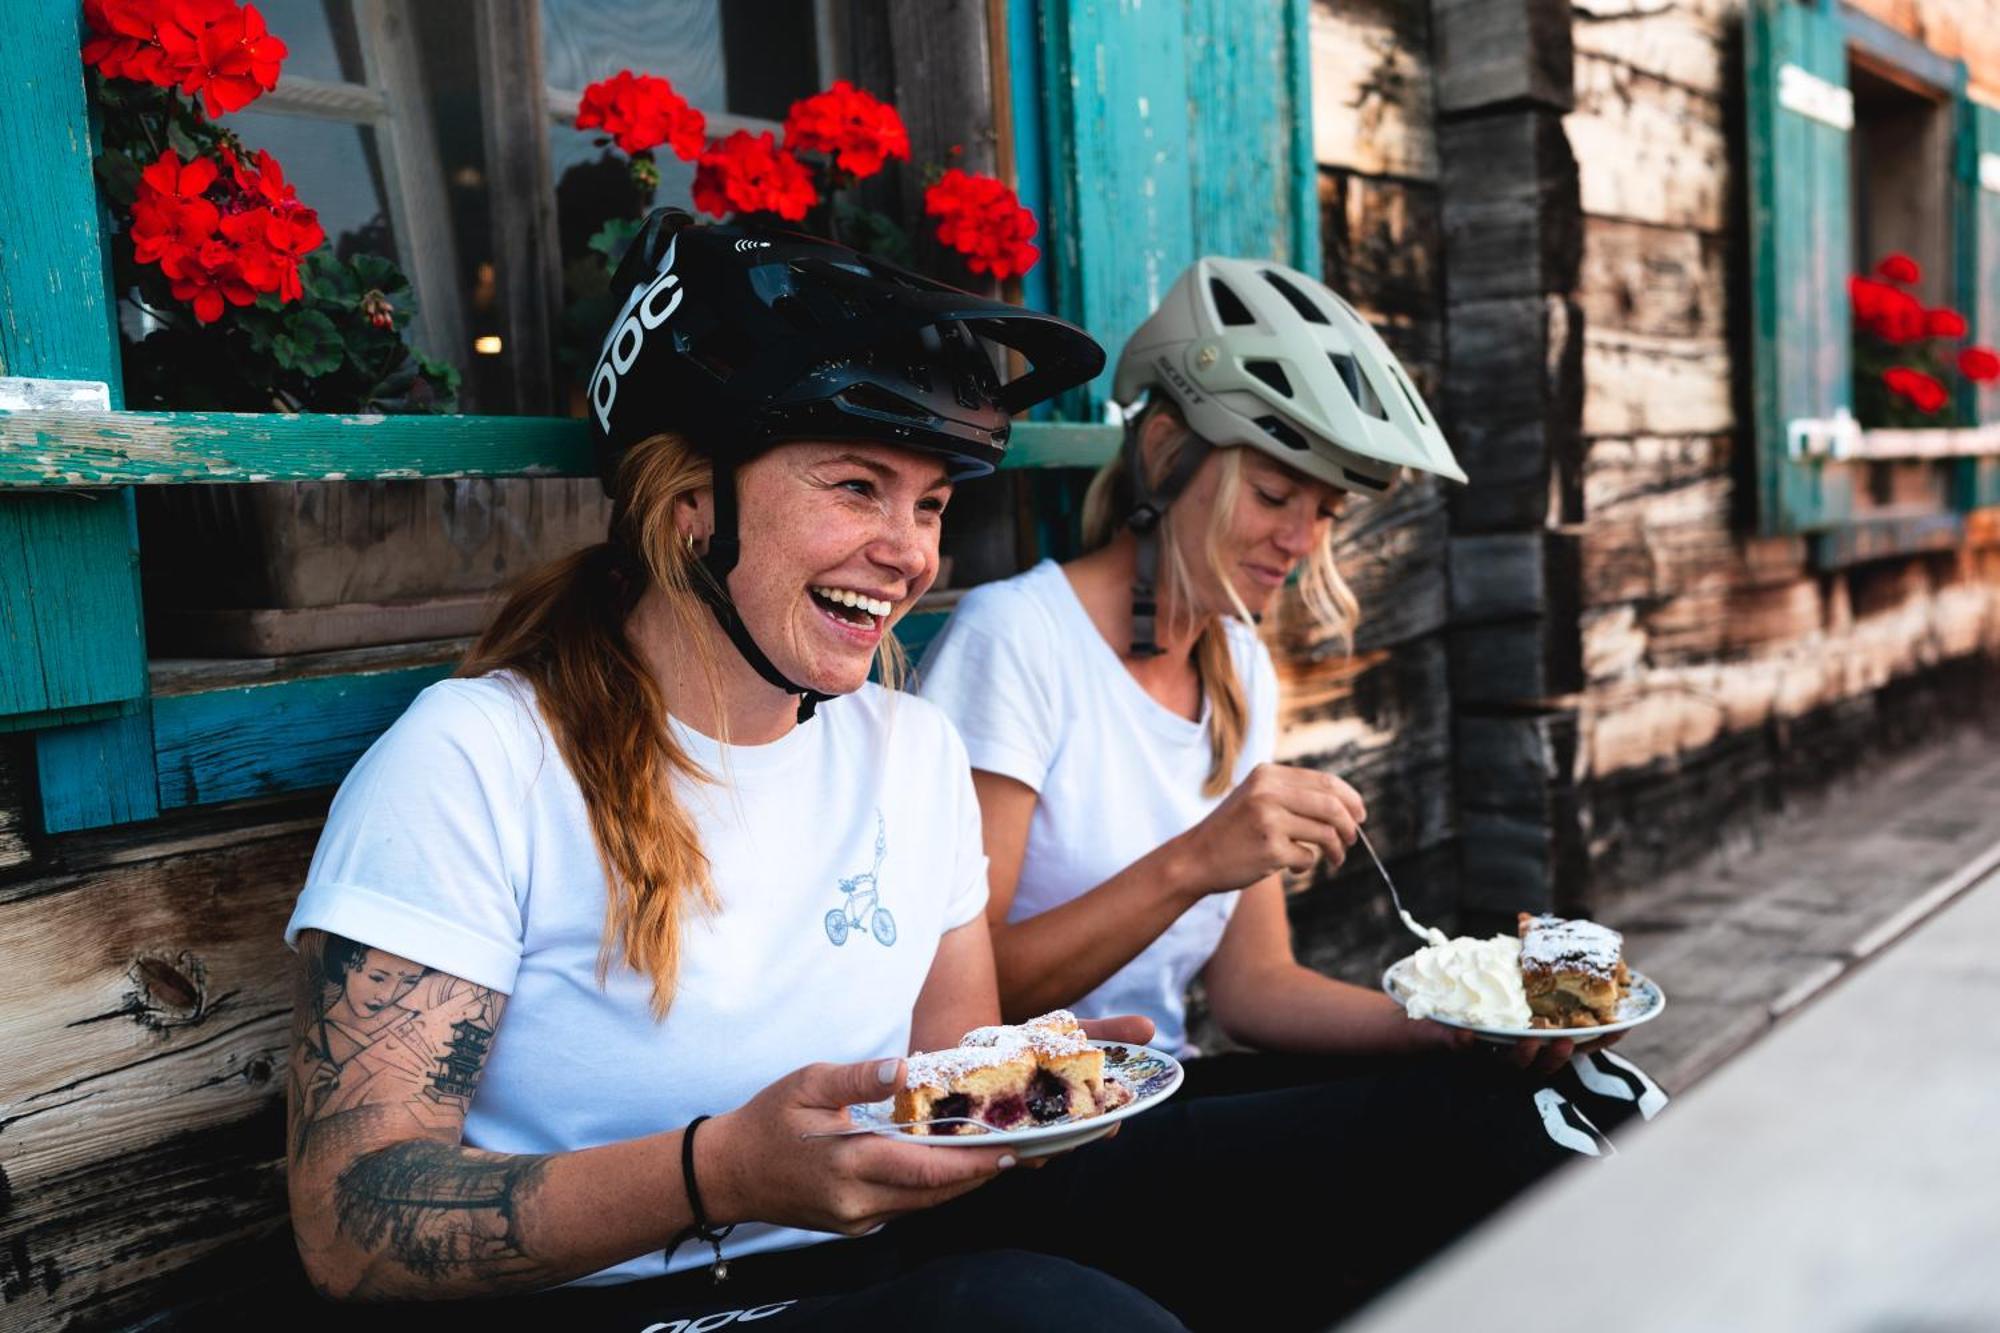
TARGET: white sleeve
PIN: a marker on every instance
(415, 855)
(982, 672)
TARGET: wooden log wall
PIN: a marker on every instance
(144, 988)
(1711, 656)
(1381, 717)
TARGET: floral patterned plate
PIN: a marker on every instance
(1151, 1076)
(1644, 1003)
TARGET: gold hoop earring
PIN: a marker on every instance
(690, 542)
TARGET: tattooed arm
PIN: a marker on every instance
(387, 1203)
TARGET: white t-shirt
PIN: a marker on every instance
(1040, 697)
(842, 853)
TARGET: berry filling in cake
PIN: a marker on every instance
(1010, 1077)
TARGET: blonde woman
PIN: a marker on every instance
(593, 878)
(1120, 710)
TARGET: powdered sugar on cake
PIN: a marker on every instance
(944, 1069)
(1583, 946)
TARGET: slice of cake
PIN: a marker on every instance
(1573, 971)
(1011, 1077)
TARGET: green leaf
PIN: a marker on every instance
(873, 233)
(329, 279)
(181, 142)
(309, 344)
(614, 238)
(118, 176)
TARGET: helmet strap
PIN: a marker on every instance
(724, 549)
(1149, 506)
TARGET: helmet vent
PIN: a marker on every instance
(874, 398)
(1284, 434)
(1309, 312)
(1272, 374)
(1363, 480)
(1229, 307)
(1358, 387)
(1416, 403)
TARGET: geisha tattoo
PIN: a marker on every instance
(386, 1056)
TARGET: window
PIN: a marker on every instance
(1861, 142)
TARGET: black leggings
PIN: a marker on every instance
(1271, 1193)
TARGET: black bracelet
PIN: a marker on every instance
(701, 1230)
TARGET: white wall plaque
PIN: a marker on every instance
(1811, 96)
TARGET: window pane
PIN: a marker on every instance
(770, 55)
(338, 171)
(679, 40)
(320, 38)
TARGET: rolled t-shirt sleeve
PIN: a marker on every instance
(419, 850)
(983, 672)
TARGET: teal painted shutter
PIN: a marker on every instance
(1979, 259)
(1172, 130)
(72, 644)
(1250, 112)
(1801, 254)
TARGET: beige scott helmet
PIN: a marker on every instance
(1254, 353)
(1257, 354)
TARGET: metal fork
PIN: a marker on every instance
(1408, 920)
(907, 1124)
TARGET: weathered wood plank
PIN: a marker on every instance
(1512, 575)
(1512, 406)
(1657, 713)
(259, 740)
(78, 449)
(1953, 29)
(1382, 248)
(1640, 385)
(1654, 281)
(40, 449)
(16, 791)
(1371, 86)
(1383, 722)
(1511, 222)
(138, 1103)
(1525, 663)
(1650, 151)
(1494, 52)
(1683, 43)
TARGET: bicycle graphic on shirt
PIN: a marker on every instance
(863, 914)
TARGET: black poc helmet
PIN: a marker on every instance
(740, 337)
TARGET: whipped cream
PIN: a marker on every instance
(1467, 981)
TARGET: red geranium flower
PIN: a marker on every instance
(983, 220)
(262, 181)
(641, 111)
(1920, 389)
(1899, 267)
(1888, 312)
(1979, 364)
(234, 60)
(171, 213)
(127, 45)
(748, 173)
(857, 128)
(270, 245)
(1944, 324)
